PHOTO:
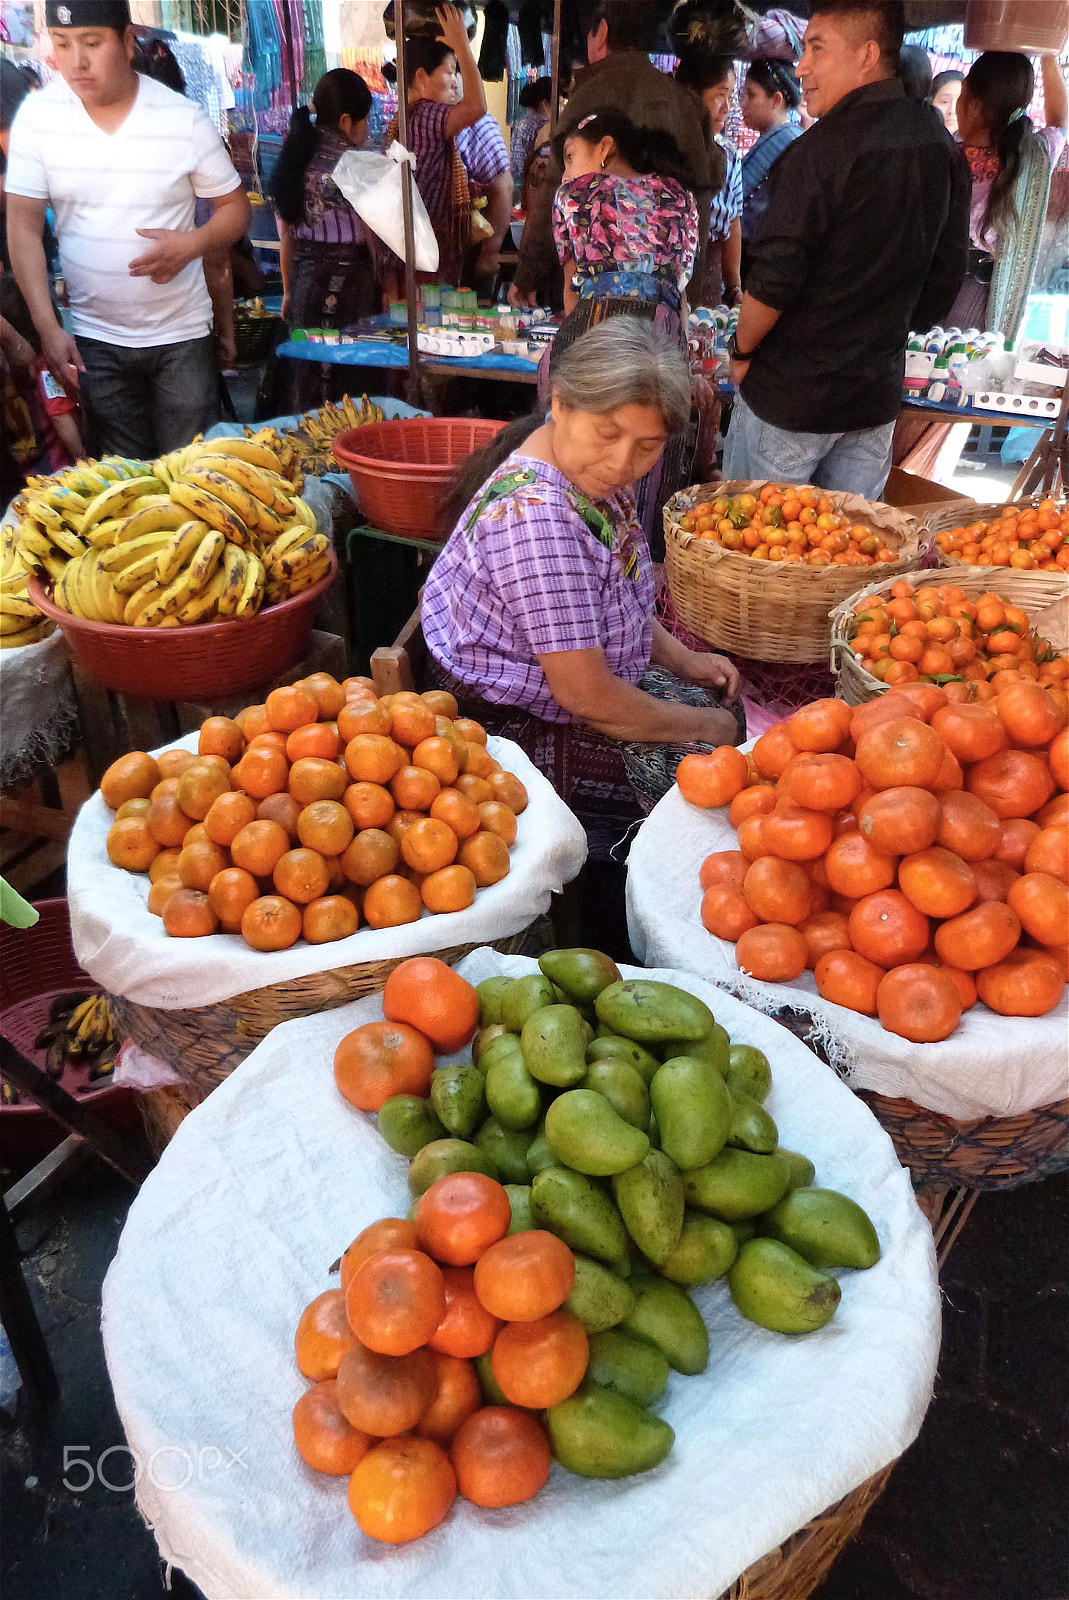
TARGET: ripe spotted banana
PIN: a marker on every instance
(180, 549)
(13, 606)
(251, 450)
(31, 635)
(304, 513)
(202, 607)
(69, 543)
(109, 602)
(294, 535)
(252, 594)
(206, 558)
(298, 556)
(129, 579)
(103, 534)
(252, 479)
(163, 515)
(113, 500)
(139, 602)
(224, 488)
(235, 568)
(120, 556)
(208, 508)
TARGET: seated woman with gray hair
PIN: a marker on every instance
(538, 614)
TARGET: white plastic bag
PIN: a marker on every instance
(371, 183)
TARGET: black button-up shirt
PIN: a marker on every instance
(865, 237)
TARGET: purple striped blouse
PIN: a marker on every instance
(330, 217)
(531, 568)
(434, 168)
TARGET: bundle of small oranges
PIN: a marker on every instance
(396, 1403)
(936, 634)
(913, 852)
(1025, 537)
(324, 807)
(784, 524)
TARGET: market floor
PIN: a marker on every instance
(976, 1510)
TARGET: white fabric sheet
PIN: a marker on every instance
(125, 949)
(991, 1066)
(265, 1184)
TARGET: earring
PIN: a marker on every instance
(603, 163)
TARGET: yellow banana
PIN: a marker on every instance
(59, 591)
(247, 449)
(225, 489)
(304, 513)
(66, 501)
(109, 602)
(139, 602)
(102, 534)
(80, 590)
(207, 557)
(202, 606)
(179, 549)
(10, 624)
(235, 567)
(208, 508)
(113, 500)
(37, 507)
(169, 600)
(122, 555)
(36, 550)
(252, 479)
(251, 597)
(295, 534)
(162, 516)
(67, 542)
(19, 610)
(298, 555)
(14, 641)
(135, 576)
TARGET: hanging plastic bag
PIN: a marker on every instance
(371, 182)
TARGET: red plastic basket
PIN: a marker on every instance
(36, 964)
(210, 659)
(399, 470)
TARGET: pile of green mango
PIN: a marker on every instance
(620, 1117)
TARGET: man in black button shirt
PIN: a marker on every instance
(865, 237)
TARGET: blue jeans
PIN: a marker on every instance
(144, 401)
(855, 462)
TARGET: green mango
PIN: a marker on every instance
(693, 1111)
(825, 1228)
(623, 1088)
(712, 1048)
(524, 997)
(520, 1204)
(751, 1126)
(540, 1154)
(650, 1197)
(774, 1287)
(506, 1150)
(737, 1184)
(598, 1434)
(627, 1366)
(705, 1250)
(581, 1213)
(802, 1169)
(407, 1123)
(746, 1229)
(748, 1071)
(666, 1316)
(599, 1298)
(443, 1156)
(457, 1095)
(589, 1137)
(554, 1041)
(493, 1394)
(491, 992)
(485, 1038)
(511, 1093)
(611, 1047)
(582, 974)
(652, 1012)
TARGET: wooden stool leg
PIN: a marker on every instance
(20, 1319)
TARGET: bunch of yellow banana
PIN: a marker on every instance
(317, 430)
(20, 621)
(85, 505)
(296, 560)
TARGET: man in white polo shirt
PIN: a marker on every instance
(122, 161)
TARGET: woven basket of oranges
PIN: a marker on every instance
(1026, 544)
(969, 630)
(756, 567)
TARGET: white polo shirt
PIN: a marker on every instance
(102, 187)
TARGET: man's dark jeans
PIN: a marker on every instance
(143, 402)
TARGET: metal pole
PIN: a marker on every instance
(414, 385)
(555, 70)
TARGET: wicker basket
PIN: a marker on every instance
(1029, 590)
(400, 470)
(991, 1153)
(207, 660)
(254, 337)
(771, 612)
(793, 1571)
(205, 1044)
(854, 684)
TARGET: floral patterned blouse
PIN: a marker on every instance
(647, 224)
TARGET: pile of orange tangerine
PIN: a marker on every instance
(913, 852)
(936, 633)
(1024, 537)
(324, 807)
(784, 524)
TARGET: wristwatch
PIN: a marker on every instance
(740, 355)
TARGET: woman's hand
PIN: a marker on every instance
(713, 672)
(454, 33)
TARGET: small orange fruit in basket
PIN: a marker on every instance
(432, 997)
(382, 1059)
